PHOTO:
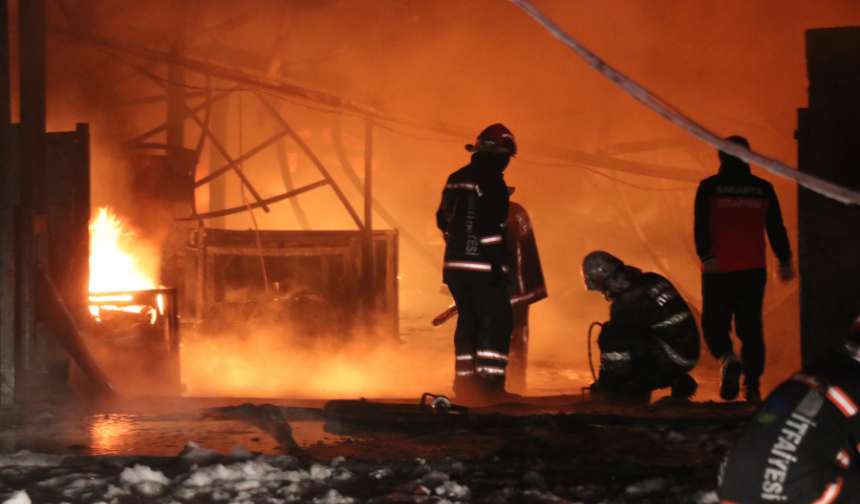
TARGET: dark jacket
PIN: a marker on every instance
(801, 444)
(526, 284)
(472, 216)
(651, 306)
(732, 212)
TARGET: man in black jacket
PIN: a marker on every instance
(801, 446)
(651, 340)
(733, 211)
(472, 217)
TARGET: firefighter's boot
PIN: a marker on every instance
(468, 390)
(684, 387)
(730, 377)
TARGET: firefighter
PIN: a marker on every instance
(472, 216)
(525, 286)
(801, 444)
(651, 340)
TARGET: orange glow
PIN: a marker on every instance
(276, 363)
(115, 264)
(120, 297)
(108, 434)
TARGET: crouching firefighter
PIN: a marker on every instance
(651, 340)
(801, 445)
(472, 216)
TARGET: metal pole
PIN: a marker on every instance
(367, 248)
(8, 204)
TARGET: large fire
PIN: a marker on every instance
(117, 262)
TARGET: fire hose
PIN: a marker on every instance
(821, 186)
(590, 363)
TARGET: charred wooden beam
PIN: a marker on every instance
(189, 112)
(244, 208)
(337, 140)
(9, 194)
(281, 88)
(308, 152)
(233, 164)
(71, 338)
(287, 177)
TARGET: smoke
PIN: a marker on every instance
(736, 66)
(281, 363)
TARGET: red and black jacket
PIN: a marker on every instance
(472, 216)
(733, 211)
(526, 284)
(801, 446)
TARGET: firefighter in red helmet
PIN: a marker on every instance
(525, 287)
(472, 217)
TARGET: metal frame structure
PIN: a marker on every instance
(192, 72)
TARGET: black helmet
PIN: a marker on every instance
(852, 339)
(597, 267)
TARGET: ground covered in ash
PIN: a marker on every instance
(492, 455)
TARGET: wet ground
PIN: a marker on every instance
(552, 445)
(549, 449)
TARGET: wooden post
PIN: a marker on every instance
(219, 126)
(200, 291)
(33, 51)
(8, 206)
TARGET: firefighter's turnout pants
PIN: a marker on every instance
(483, 336)
(635, 360)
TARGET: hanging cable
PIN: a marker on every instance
(660, 106)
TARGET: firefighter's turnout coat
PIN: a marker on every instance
(472, 217)
(651, 336)
(526, 284)
(801, 446)
(733, 210)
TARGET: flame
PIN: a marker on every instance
(115, 260)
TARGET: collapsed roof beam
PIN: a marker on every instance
(245, 208)
(309, 153)
(277, 87)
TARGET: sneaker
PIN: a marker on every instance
(684, 387)
(752, 395)
(730, 378)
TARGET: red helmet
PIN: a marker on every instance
(495, 138)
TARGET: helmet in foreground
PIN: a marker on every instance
(597, 267)
(496, 138)
(852, 340)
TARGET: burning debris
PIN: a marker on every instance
(130, 312)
